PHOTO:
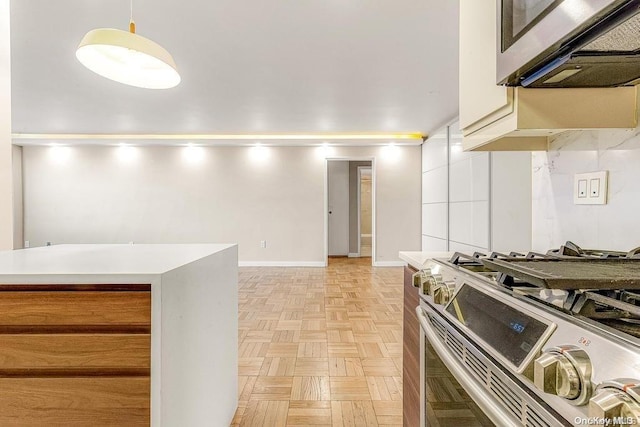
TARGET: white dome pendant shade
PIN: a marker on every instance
(128, 58)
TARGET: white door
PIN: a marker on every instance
(338, 195)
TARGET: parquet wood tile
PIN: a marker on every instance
(309, 366)
(310, 388)
(388, 412)
(383, 388)
(355, 413)
(340, 336)
(245, 387)
(309, 413)
(313, 336)
(312, 349)
(372, 350)
(321, 346)
(278, 366)
(282, 350)
(345, 367)
(272, 388)
(349, 388)
(379, 367)
(265, 414)
(342, 349)
(249, 365)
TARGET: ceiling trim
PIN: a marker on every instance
(231, 136)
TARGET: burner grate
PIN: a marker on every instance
(574, 273)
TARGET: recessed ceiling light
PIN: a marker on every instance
(193, 154)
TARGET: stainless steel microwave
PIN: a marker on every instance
(568, 43)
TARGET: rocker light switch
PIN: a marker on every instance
(582, 188)
(594, 187)
(590, 188)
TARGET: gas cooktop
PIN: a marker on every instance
(600, 285)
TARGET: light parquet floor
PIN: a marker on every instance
(320, 346)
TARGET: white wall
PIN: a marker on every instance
(92, 195)
(6, 169)
(556, 219)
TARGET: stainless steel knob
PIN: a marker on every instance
(417, 278)
(566, 372)
(433, 281)
(617, 399)
(425, 281)
(442, 291)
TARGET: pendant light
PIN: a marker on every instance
(128, 58)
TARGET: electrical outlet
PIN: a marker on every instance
(263, 244)
(26, 244)
(590, 188)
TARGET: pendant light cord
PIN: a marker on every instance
(132, 25)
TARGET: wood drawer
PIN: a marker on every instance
(74, 402)
(68, 308)
(124, 352)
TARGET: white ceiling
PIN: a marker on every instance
(277, 66)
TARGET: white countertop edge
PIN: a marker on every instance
(418, 259)
(119, 263)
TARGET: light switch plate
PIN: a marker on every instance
(590, 188)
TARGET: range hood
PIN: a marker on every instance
(603, 51)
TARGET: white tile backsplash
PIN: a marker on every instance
(434, 185)
(555, 219)
(434, 220)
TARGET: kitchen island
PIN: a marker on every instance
(119, 335)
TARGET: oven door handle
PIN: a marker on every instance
(479, 394)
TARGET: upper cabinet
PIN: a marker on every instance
(496, 117)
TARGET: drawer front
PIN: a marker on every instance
(82, 308)
(74, 351)
(74, 402)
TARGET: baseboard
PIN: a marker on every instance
(353, 255)
(389, 263)
(281, 264)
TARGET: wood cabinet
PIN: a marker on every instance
(495, 117)
(410, 353)
(75, 356)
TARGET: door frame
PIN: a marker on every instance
(373, 203)
(359, 195)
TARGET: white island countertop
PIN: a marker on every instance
(417, 259)
(137, 262)
(194, 315)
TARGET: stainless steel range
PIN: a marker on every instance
(538, 339)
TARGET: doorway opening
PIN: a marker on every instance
(364, 211)
(350, 208)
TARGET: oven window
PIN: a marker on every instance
(518, 16)
(508, 331)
